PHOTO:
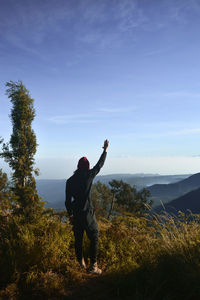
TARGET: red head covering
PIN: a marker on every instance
(83, 164)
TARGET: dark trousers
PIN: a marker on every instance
(86, 221)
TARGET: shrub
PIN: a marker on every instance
(141, 259)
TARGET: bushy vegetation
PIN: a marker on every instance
(140, 258)
(20, 150)
(118, 198)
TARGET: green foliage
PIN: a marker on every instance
(20, 151)
(128, 199)
(34, 248)
(4, 192)
(101, 197)
(119, 198)
(8, 201)
(165, 262)
(140, 258)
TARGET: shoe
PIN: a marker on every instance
(82, 263)
(94, 269)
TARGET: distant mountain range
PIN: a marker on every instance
(185, 203)
(168, 192)
(142, 180)
(53, 190)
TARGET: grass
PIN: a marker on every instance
(141, 259)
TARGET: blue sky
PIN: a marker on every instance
(125, 70)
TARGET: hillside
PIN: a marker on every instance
(168, 192)
(53, 190)
(140, 259)
(189, 201)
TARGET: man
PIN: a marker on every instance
(80, 209)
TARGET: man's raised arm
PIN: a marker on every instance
(95, 170)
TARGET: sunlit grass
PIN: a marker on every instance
(141, 258)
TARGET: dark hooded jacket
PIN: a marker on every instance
(78, 188)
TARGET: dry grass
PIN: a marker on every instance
(141, 259)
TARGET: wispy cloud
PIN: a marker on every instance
(153, 134)
(157, 51)
(185, 131)
(106, 25)
(19, 43)
(113, 110)
(182, 132)
(180, 11)
(94, 116)
(112, 25)
(27, 25)
(182, 93)
(130, 15)
(171, 94)
(100, 24)
(76, 118)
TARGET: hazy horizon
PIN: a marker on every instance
(64, 168)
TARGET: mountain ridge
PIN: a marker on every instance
(53, 190)
(169, 192)
(189, 202)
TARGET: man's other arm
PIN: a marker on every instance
(68, 198)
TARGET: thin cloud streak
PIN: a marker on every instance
(117, 109)
(157, 51)
(186, 131)
(78, 118)
(170, 94)
(151, 134)
(93, 117)
(176, 133)
(182, 94)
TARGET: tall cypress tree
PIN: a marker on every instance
(20, 151)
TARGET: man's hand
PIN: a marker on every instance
(105, 146)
